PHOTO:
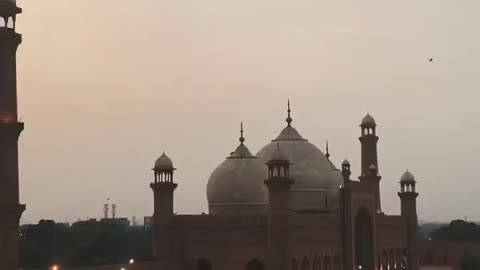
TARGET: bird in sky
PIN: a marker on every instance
(430, 60)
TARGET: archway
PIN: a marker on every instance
(254, 264)
(203, 264)
(429, 258)
(398, 259)
(363, 241)
(385, 265)
(337, 263)
(294, 264)
(392, 261)
(305, 264)
(404, 259)
(327, 264)
(317, 265)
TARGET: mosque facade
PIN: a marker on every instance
(288, 207)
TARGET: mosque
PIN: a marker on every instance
(287, 207)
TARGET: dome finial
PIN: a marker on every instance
(242, 139)
(328, 152)
(289, 118)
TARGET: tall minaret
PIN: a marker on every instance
(10, 129)
(163, 187)
(369, 140)
(408, 198)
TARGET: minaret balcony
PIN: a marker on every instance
(10, 128)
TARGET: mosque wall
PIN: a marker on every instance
(226, 242)
(314, 240)
(309, 199)
(391, 232)
(391, 241)
(437, 253)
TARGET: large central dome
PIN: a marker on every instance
(316, 179)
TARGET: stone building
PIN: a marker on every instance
(287, 207)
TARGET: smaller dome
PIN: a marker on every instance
(368, 121)
(163, 162)
(346, 163)
(278, 155)
(407, 177)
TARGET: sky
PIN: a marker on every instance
(104, 89)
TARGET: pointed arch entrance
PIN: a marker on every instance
(254, 264)
(364, 241)
(203, 264)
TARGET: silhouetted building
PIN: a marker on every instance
(147, 222)
(119, 221)
(288, 207)
(10, 129)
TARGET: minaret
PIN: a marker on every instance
(278, 184)
(346, 215)
(163, 188)
(10, 128)
(408, 197)
(374, 178)
(346, 172)
(369, 140)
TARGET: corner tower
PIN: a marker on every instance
(408, 197)
(163, 188)
(10, 129)
(278, 183)
(369, 140)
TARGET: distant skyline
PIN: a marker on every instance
(105, 89)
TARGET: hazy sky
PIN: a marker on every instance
(105, 88)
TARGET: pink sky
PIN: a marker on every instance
(104, 88)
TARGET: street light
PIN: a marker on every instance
(55, 267)
(131, 261)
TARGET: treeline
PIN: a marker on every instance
(90, 243)
(83, 244)
(457, 231)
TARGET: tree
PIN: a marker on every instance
(458, 231)
(84, 243)
(470, 262)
